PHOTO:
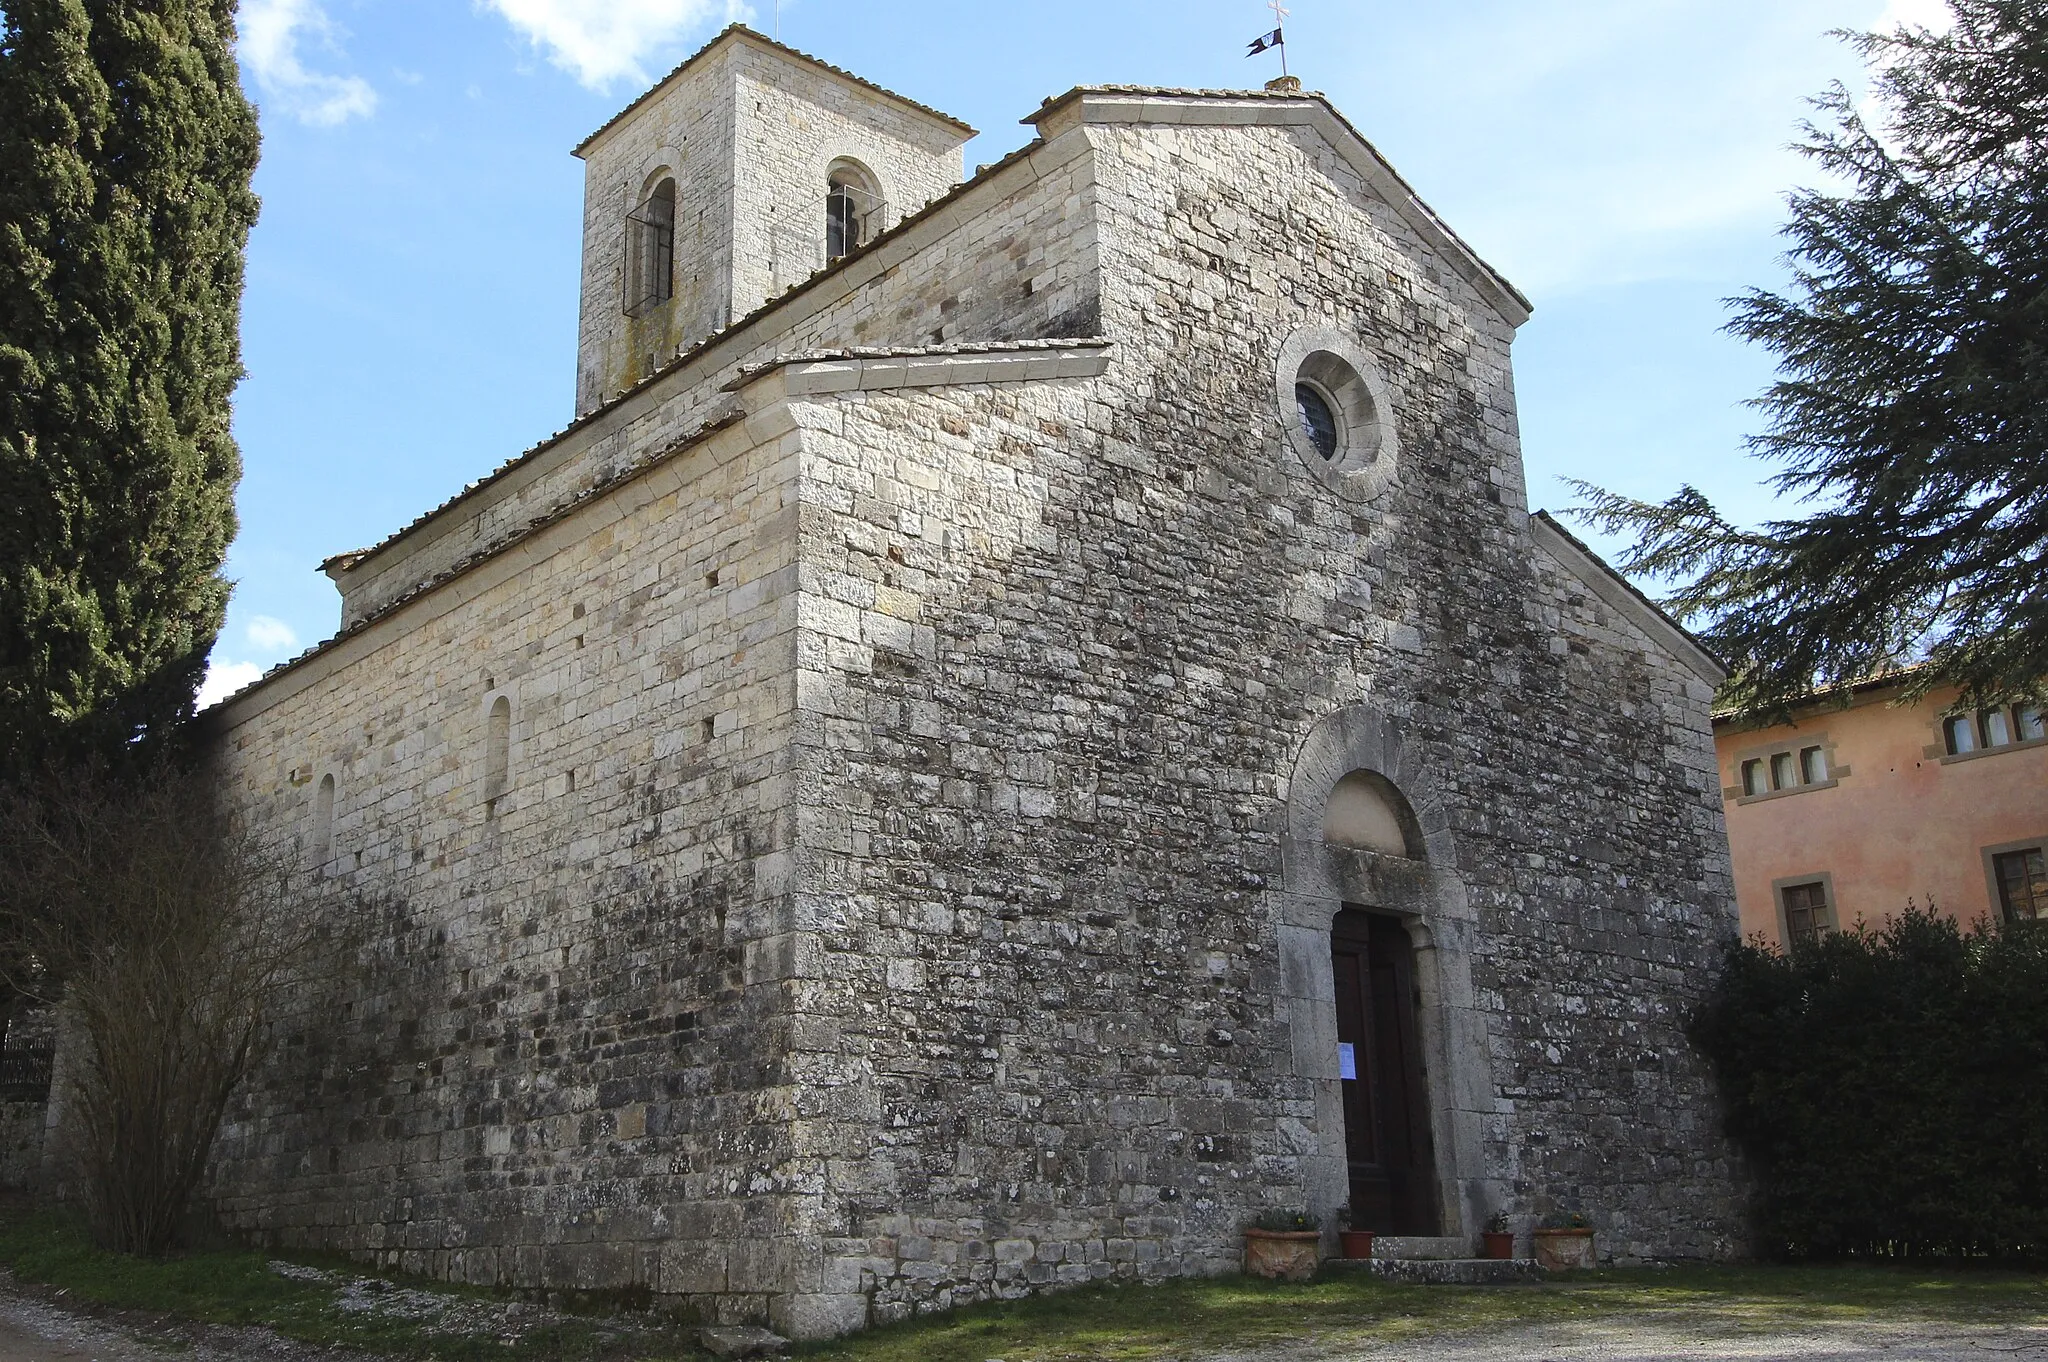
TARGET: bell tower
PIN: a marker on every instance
(745, 171)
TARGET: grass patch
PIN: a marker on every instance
(1135, 1324)
(1121, 1323)
(348, 1307)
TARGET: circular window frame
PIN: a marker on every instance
(1368, 453)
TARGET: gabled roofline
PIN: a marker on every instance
(860, 259)
(855, 260)
(1507, 294)
(807, 377)
(1619, 592)
(741, 33)
(1157, 104)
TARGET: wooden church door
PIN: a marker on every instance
(1386, 1114)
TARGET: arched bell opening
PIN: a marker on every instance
(651, 249)
(853, 209)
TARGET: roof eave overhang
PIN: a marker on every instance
(740, 33)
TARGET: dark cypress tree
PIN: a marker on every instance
(126, 152)
(1911, 415)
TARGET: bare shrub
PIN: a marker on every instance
(136, 907)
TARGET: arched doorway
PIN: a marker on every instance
(1390, 1156)
(1367, 833)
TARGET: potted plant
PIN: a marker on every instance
(1497, 1240)
(1564, 1241)
(1283, 1244)
(1356, 1243)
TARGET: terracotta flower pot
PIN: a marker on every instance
(1357, 1243)
(1496, 1243)
(1288, 1255)
(1563, 1250)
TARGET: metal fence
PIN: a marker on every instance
(25, 1072)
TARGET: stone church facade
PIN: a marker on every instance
(989, 760)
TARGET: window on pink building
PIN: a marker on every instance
(2022, 884)
(1807, 916)
(1813, 765)
(2032, 727)
(1961, 732)
(1997, 731)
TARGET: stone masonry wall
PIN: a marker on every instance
(690, 131)
(548, 1047)
(21, 1145)
(1087, 632)
(792, 124)
(751, 134)
(1573, 757)
(949, 962)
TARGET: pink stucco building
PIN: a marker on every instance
(1864, 802)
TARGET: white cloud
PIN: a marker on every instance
(1934, 14)
(1610, 141)
(225, 678)
(269, 47)
(268, 635)
(603, 44)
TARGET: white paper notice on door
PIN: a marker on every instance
(1347, 1060)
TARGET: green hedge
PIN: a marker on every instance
(1890, 1089)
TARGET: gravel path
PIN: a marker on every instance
(33, 1329)
(1677, 1338)
(35, 1326)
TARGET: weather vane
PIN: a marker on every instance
(1277, 38)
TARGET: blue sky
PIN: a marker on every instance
(410, 320)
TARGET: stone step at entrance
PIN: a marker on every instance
(1445, 1261)
(1448, 1271)
(1403, 1246)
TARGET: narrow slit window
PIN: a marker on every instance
(498, 750)
(1753, 782)
(1813, 766)
(1961, 732)
(1783, 776)
(323, 821)
(651, 251)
